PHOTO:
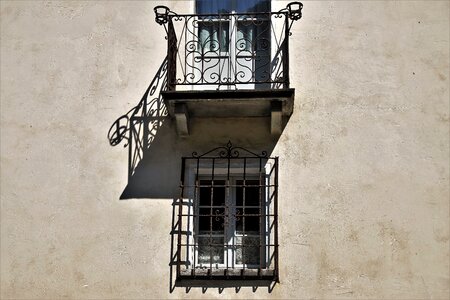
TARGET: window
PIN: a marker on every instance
(227, 216)
(228, 6)
(214, 31)
(230, 215)
(233, 43)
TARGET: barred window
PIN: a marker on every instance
(228, 229)
(227, 216)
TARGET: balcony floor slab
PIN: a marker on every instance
(230, 103)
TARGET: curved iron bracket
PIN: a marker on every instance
(294, 12)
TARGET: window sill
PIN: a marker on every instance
(226, 281)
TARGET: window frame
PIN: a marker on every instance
(230, 232)
(237, 62)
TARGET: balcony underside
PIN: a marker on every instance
(183, 105)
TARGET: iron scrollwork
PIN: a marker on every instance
(229, 151)
(231, 50)
(226, 216)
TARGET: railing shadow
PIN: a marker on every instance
(139, 126)
(154, 149)
(173, 254)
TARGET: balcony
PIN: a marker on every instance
(228, 65)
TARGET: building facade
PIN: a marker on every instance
(327, 179)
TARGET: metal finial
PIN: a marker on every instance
(295, 10)
(162, 14)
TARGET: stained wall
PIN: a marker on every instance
(364, 159)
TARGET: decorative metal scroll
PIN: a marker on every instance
(226, 215)
(138, 126)
(228, 151)
(226, 50)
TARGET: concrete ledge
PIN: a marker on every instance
(230, 103)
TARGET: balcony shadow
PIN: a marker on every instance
(154, 159)
(155, 150)
(145, 131)
(155, 176)
(155, 170)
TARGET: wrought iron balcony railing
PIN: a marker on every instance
(228, 51)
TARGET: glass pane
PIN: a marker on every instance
(213, 36)
(211, 250)
(251, 193)
(227, 6)
(211, 220)
(250, 218)
(251, 6)
(247, 251)
(218, 193)
(212, 6)
(204, 220)
(218, 220)
(245, 37)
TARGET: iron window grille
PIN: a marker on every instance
(226, 226)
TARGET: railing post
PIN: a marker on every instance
(171, 56)
(180, 221)
(277, 270)
(286, 53)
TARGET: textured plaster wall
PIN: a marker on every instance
(364, 159)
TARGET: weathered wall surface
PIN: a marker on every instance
(364, 159)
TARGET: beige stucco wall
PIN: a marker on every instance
(364, 159)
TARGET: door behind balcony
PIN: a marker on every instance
(233, 48)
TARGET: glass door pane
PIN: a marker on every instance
(248, 222)
(234, 49)
(210, 231)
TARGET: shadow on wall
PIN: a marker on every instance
(155, 150)
(139, 128)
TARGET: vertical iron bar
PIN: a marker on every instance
(219, 50)
(226, 225)
(184, 48)
(180, 208)
(254, 54)
(211, 186)
(260, 219)
(243, 217)
(277, 278)
(286, 53)
(203, 46)
(196, 212)
(171, 56)
(227, 213)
